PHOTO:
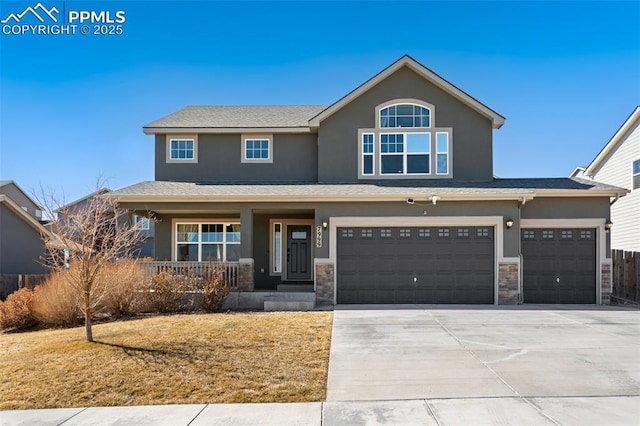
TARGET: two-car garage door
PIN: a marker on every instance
(415, 265)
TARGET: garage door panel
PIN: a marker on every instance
(450, 265)
(559, 265)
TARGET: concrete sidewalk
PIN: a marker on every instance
(460, 411)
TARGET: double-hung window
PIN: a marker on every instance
(442, 153)
(405, 153)
(636, 174)
(207, 241)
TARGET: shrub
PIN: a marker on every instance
(123, 282)
(56, 302)
(215, 287)
(17, 311)
(164, 291)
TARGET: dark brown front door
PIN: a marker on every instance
(299, 252)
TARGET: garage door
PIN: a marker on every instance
(415, 265)
(559, 265)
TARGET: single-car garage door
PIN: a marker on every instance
(415, 265)
(559, 265)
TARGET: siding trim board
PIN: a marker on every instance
(394, 221)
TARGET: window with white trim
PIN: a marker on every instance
(404, 143)
(257, 148)
(636, 174)
(142, 223)
(405, 153)
(442, 153)
(207, 241)
(182, 149)
(404, 115)
(367, 154)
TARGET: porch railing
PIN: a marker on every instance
(193, 269)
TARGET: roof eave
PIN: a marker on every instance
(225, 130)
(593, 168)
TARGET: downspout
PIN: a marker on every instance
(521, 265)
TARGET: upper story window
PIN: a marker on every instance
(636, 174)
(404, 144)
(257, 149)
(405, 115)
(182, 149)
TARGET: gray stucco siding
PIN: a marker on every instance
(220, 159)
(22, 250)
(472, 153)
(566, 208)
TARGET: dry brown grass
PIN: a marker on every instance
(180, 359)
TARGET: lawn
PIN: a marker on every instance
(179, 359)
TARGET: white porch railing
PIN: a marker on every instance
(193, 269)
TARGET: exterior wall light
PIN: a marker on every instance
(325, 224)
(509, 223)
(608, 225)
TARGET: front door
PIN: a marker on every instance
(299, 252)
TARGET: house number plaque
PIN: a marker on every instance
(318, 236)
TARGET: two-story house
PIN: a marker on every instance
(22, 248)
(385, 196)
(618, 163)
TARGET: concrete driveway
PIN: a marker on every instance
(532, 354)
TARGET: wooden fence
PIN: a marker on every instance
(626, 275)
(14, 282)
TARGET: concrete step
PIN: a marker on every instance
(295, 287)
(288, 305)
(291, 295)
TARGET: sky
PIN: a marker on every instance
(564, 74)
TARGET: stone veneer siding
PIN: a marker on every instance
(324, 284)
(606, 284)
(245, 276)
(508, 284)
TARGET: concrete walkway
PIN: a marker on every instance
(434, 365)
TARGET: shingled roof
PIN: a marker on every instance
(243, 116)
(228, 191)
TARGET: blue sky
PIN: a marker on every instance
(565, 74)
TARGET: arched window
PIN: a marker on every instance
(405, 115)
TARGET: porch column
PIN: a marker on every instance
(246, 233)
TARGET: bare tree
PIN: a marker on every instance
(85, 237)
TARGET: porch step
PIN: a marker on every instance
(288, 305)
(295, 287)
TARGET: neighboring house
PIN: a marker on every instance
(145, 248)
(22, 249)
(619, 164)
(386, 196)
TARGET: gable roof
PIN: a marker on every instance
(617, 138)
(203, 118)
(15, 185)
(23, 215)
(497, 120)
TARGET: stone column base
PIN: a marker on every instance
(606, 286)
(246, 278)
(324, 283)
(508, 281)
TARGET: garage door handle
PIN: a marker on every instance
(288, 254)
(557, 280)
